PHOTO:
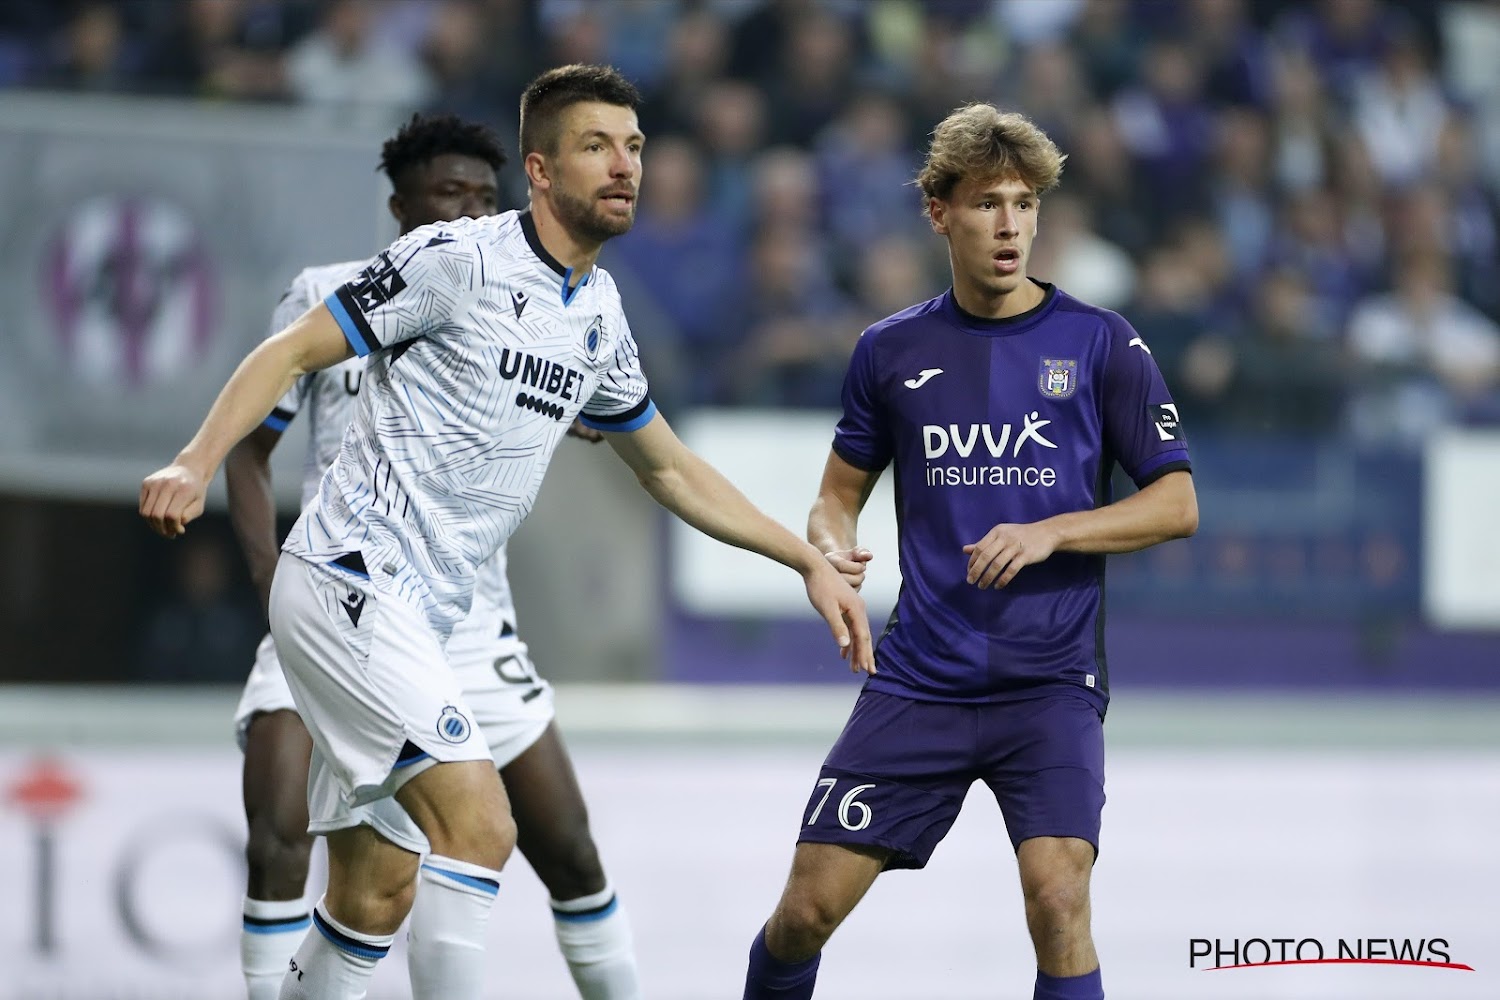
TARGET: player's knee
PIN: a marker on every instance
(1058, 901)
(277, 856)
(803, 924)
(569, 866)
(484, 837)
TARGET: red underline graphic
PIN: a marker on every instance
(1348, 961)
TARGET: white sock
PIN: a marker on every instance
(445, 953)
(334, 962)
(594, 935)
(272, 930)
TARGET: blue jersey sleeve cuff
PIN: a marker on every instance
(278, 419)
(856, 459)
(356, 330)
(1160, 465)
(633, 419)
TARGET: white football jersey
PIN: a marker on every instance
(480, 357)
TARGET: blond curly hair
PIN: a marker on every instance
(979, 140)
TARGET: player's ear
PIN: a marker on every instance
(937, 214)
(398, 208)
(535, 166)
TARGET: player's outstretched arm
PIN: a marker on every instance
(833, 522)
(173, 496)
(1163, 510)
(252, 505)
(696, 492)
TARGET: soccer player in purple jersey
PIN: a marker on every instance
(1003, 404)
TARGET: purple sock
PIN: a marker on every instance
(769, 978)
(1088, 986)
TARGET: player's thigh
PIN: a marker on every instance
(895, 780)
(1047, 767)
(277, 752)
(462, 809)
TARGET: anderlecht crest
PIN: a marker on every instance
(1058, 378)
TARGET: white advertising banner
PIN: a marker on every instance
(1461, 533)
(776, 459)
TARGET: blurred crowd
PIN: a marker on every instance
(1294, 203)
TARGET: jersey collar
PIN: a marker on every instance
(567, 289)
(1000, 327)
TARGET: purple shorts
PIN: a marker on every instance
(898, 775)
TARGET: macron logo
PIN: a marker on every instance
(1138, 342)
(922, 377)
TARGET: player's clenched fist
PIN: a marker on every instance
(851, 564)
(172, 497)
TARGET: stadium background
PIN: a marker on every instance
(1294, 203)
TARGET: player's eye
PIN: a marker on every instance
(987, 205)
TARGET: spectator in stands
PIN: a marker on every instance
(1283, 375)
(731, 126)
(91, 52)
(1082, 263)
(697, 50)
(1425, 357)
(863, 166)
(686, 258)
(1400, 112)
(343, 70)
(798, 329)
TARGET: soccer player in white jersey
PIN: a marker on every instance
(441, 168)
(487, 338)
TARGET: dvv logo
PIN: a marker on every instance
(936, 440)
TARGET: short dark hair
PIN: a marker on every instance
(558, 89)
(426, 137)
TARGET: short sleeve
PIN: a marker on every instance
(862, 437)
(296, 300)
(622, 401)
(408, 289)
(1142, 427)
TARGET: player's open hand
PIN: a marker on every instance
(578, 429)
(172, 497)
(845, 613)
(851, 564)
(996, 558)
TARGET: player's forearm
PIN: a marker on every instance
(252, 511)
(832, 524)
(699, 494)
(1165, 510)
(261, 379)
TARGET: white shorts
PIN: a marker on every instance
(369, 676)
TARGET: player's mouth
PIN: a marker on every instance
(619, 199)
(1007, 260)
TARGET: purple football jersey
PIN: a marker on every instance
(991, 422)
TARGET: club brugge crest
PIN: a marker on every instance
(452, 726)
(593, 337)
(1059, 378)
